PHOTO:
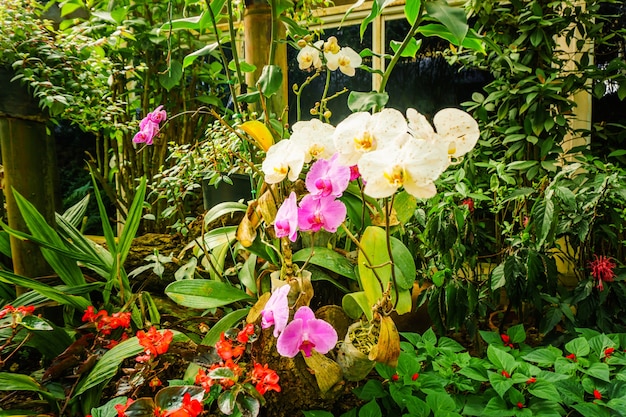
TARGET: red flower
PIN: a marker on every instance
(469, 203)
(505, 374)
(531, 380)
(608, 352)
(190, 408)
(602, 270)
(571, 356)
(121, 408)
(155, 382)
(520, 405)
(244, 335)
(506, 339)
(597, 395)
(226, 350)
(154, 343)
(395, 377)
(265, 379)
(415, 376)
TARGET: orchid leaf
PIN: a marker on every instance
(204, 293)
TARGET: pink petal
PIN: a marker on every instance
(286, 222)
(289, 341)
(322, 335)
(276, 311)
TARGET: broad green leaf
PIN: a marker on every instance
(247, 274)
(370, 409)
(517, 333)
(142, 407)
(206, 50)
(270, 80)
(170, 78)
(578, 346)
(502, 360)
(500, 383)
(412, 10)
(326, 258)
(223, 209)
(359, 101)
(355, 304)
(410, 50)
(5, 244)
(204, 293)
(370, 17)
(545, 390)
(497, 407)
(35, 323)
(471, 41)
(498, 279)
(541, 356)
(440, 403)
(599, 370)
(453, 18)
(17, 382)
(230, 320)
(404, 264)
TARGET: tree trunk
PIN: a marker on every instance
(29, 168)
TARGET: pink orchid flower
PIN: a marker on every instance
(328, 177)
(276, 311)
(305, 333)
(149, 126)
(316, 213)
(286, 222)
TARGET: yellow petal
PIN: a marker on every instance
(259, 132)
(387, 350)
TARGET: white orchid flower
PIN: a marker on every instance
(315, 138)
(347, 60)
(309, 56)
(283, 159)
(413, 164)
(363, 132)
(455, 127)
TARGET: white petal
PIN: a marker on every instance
(418, 125)
(459, 128)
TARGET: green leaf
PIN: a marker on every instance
(356, 304)
(517, 333)
(498, 279)
(500, 383)
(404, 264)
(204, 293)
(229, 321)
(502, 360)
(18, 382)
(440, 403)
(412, 10)
(453, 18)
(170, 78)
(370, 17)
(471, 41)
(544, 214)
(542, 356)
(410, 50)
(270, 80)
(67, 269)
(53, 294)
(545, 390)
(326, 258)
(75, 214)
(361, 101)
(223, 209)
(578, 346)
(371, 409)
(599, 370)
(206, 50)
(35, 323)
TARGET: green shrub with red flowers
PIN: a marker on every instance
(438, 377)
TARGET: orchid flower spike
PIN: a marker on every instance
(276, 311)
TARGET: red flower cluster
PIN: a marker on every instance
(230, 350)
(608, 352)
(121, 408)
(154, 343)
(265, 379)
(571, 356)
(105, 323)
(505, 374)
(207, 381)
(22, 310)
(597, 394)
(531, 380)
(602, 270)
